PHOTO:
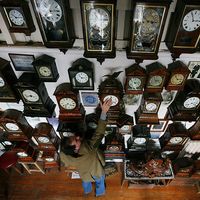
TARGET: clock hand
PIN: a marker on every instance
(192, 16)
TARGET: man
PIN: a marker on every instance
(86, 157)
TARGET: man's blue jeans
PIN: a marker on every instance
(99, 183)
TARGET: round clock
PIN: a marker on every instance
(191, 21)
(22, 154)
(2, 82)
(191, 102)
(12, 126)
(67, 103)
(44, 71)
(49, 159)
(81, 77)
(125, 128)
(139, 140)
(16, 17)
(50, 10)
(113, 148)
(99, 18)
(114, 99)
(134, 83)
(43, 139)
(151, 106)
(155, 80)
(30, 95)
(176, 140)
(177, 79)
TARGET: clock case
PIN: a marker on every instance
(141, 54)
(177, 39)
(81, 65)
(44, 107)
(194, 131)
(177, 67)
(135, 71)
(48, 62)
(95, 48)
(8, 92)
(49, 36)
(27, 28)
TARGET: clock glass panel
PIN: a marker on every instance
(98, 19)
(147, 21)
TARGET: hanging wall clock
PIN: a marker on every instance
(55, 23)
(148, 20)
(18, 17)
(98, 18)
(184, 28)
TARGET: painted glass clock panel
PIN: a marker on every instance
(147, 24)
(98, 19)
(15, 16)
(51, 16)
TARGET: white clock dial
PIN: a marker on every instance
(191, 102)
(2, 83)
(43, 139)
(134, 83)
(177, 79)
(114, 99)
(12, 127)
(155, 80)
(125, 128)
(98, 18)
(67, 103)
(49, 159)
(16, 17)
(50, 10)
(44, 71)
(191, 21)
(30, 95)
(139, 140)
(22, 154)
(176, 140)
(151, 106)
(81, 77)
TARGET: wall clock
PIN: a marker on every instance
(55, 22)
(34, 95)
(98, 19)
(178, 73)
(7, 81)
(69, 104)
(81, 75)
(156, 76)
(135, 79)
(16, 125)
(183, 33)
(147, 23)
(46, 68)
(18, 17)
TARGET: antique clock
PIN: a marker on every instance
(46, 68)
(147, 24)
(15, 125)
(34, 95)
(7, 81)
(194, 131)
(55, 22)
(147, 112)
(156, 76)
(17, 16)
(186, 105)
(183, 33)
(46, 137)
(81, 75)
(135, 79)
(69, 103)
(112, 88)
(178, 73)
(98, 19)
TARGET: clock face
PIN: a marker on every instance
(12, 127)
(43, 139)
(44, 71)
(50, 10)
(114, 99)
(155, 81)
(22, 154)
(81, 77)
(2, 82)
(16, 17)
(134, 83)
(125, 128)
(30, 95)
(177, 79)
(49, 159)
(191, 102)
(151, 106)
(67, 103)
(191, 20)
(176, 140)
(139, 141)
